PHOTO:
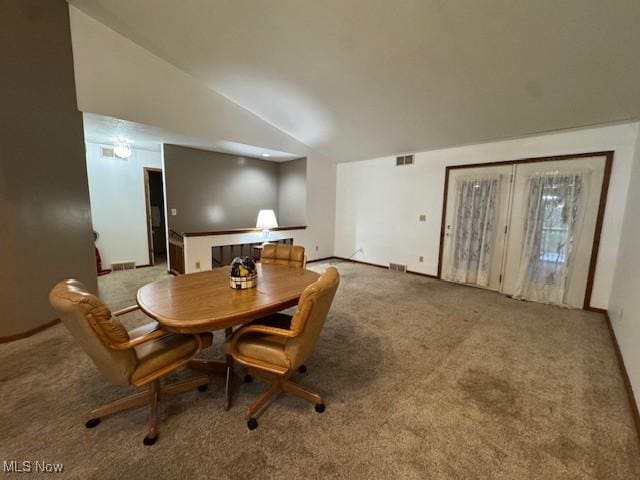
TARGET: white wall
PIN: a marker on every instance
(624, 307)
(118, 208)
(378, 204)
(197, 250)
(318, 238)
(292, 192)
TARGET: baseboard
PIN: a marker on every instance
(428, 275)
(623, 370)
(28, 333)
(597, 310)
(320, 259)
(144, 266)
(386, 267)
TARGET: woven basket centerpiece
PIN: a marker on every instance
(243, 273)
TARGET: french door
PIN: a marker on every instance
(525, 229)
(477, 211)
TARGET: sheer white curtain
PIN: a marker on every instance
(553, 218)
(474, 229)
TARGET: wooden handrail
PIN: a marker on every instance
(239, 230)
(176, 253)
(176, 234)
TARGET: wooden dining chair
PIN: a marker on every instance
(282, 254)
(139, 357)
(273, 354)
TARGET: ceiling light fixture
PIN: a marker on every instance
(266, 154)
(121, 148)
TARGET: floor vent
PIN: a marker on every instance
(397, 267)
(123, 266)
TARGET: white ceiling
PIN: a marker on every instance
(104, 130)
(358, 79)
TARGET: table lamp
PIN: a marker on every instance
(266, 221)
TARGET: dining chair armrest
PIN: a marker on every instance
(278, 332)
(124, 311)
(134, 342)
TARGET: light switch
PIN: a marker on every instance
(174, 212)
(423, 218)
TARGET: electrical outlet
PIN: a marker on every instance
(421, 259)
(423, 218)
(174, 212)
(198, 265)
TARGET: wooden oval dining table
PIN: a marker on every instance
(204, 302)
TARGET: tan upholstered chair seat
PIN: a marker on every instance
(278, 254)
(267, 348)
(153, 356)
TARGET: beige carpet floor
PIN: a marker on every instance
(422, 379)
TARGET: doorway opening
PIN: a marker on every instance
(527, 228)
(156, 222)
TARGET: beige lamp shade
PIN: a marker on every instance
(266, 220)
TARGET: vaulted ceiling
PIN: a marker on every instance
(358, 79)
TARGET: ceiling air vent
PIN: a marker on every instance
(404, 160)
(397, 267)
(106, 152)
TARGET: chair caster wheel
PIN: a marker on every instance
(252, 424)
(302, 369)
(248, 379)
(320, 407)
(203, 388)
(148, 441)
(94, 422)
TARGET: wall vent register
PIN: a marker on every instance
(397, 267)
(106, 152)
(404, 160)
(123, 266)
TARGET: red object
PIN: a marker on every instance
(99, 264)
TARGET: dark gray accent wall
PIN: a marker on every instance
(45, 219)
(214, 191)
(292, 192)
